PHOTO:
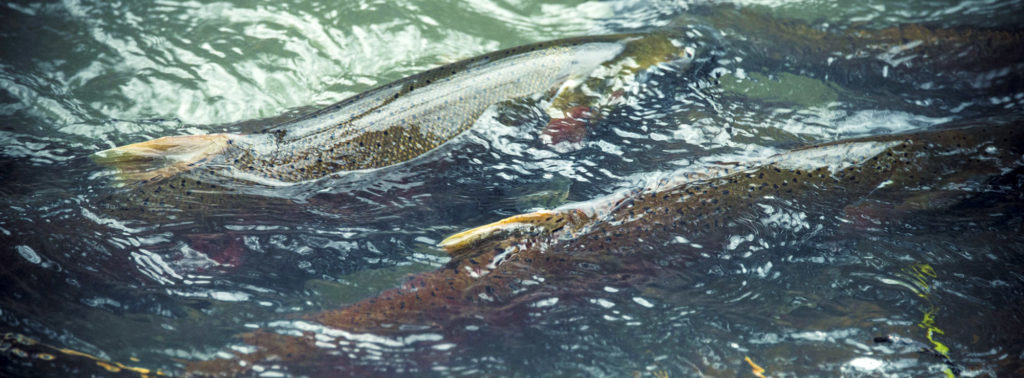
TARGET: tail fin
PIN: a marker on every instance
(163, 157)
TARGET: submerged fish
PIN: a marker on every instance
(402, 120)
(503, 267)
(968, 60)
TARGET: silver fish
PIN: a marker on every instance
(402, 120)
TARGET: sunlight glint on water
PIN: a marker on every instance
(804, 292)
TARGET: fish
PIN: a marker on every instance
(33, 353)
(400, 121)
(503, 267)
(960, 58)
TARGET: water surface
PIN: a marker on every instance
(147, 290)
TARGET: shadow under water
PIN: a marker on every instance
(513, 271)
(806, 198)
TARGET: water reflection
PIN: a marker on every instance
(801, 286)
(228, 62)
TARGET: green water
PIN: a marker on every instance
(225, 62)
(78, 77)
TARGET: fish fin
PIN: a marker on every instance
(544, 219)
(68, 359)
(162, 157)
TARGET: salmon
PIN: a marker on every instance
(568, 251)
(399, 121)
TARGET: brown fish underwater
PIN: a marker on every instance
(501, 270)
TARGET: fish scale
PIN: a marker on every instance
(444, 107)
(402, 120)
(501, 268)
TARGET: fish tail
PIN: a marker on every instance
(163, 157)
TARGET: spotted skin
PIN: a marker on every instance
(619, 235)
(197, 176)
(702, 210)
(397, 122)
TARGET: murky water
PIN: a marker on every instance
(155, 289)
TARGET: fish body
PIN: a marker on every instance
(491, 261)
(580, 248)
(404, 119)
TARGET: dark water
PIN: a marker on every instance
(805, 295)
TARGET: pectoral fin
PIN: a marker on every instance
(539, 221)
(160, 158)
(523, 222)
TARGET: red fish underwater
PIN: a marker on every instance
(500, 271)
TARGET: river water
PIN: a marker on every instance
(940, 290)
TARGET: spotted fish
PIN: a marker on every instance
(565, 252)
(402, 120)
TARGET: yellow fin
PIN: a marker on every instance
(163, 157)
(756, 369)
(32, 348)
(547, 219)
